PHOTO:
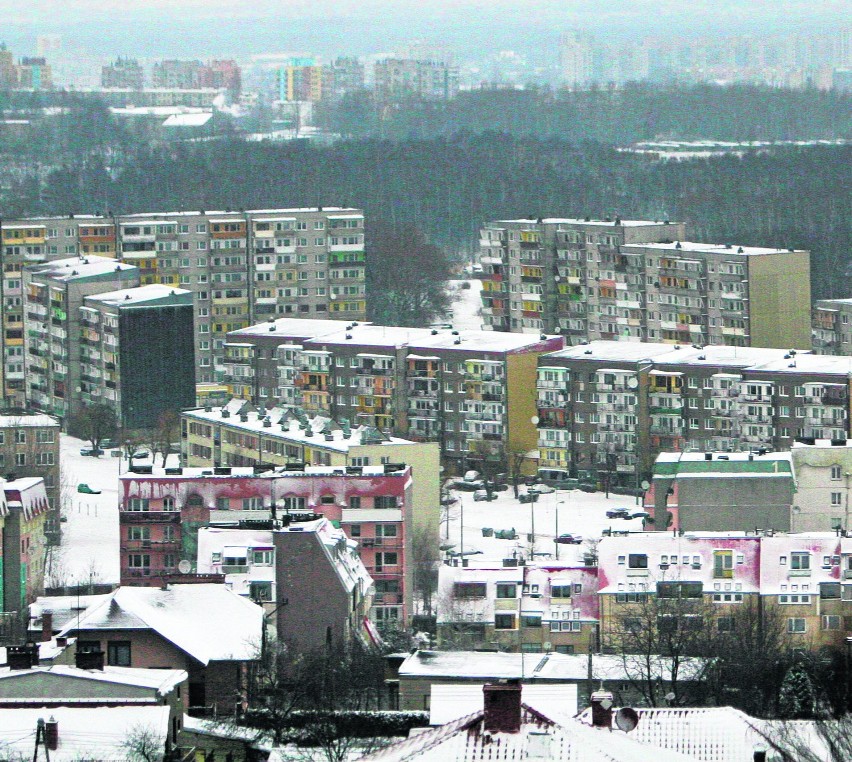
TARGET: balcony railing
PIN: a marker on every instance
(149, 517)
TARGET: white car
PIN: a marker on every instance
(542, 489)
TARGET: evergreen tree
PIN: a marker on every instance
(797, 697)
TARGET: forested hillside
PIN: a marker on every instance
(795, 197)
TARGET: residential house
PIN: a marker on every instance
(204, 629)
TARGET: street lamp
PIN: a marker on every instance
(556, 527)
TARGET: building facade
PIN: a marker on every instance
(29, 447)
(468, 390)
(161, 513)
(634, 280)
(239, 434)
(428, 79)
(137, 353)
(24, 544)
(123, 73)
(823, 468)
(53, 294)
(242, 267)
(535, 608)
(607, 409)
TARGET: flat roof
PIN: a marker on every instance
(577, 221)
(723, 465)
(75, 268)
(141, 295)
(712, 248)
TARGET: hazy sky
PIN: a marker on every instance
(205, 27)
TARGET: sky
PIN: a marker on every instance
(233, 27)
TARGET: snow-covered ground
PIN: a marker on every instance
(579, 513)
(90, 543)
(466, 305)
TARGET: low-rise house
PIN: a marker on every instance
(423, 670)
(721, 492)
(204, 629)
(324, 590)
(532, 608)
(118, 734)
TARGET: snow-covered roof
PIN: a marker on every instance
(450, 701)
(708, 248)
(163, 681)
(733, 465)
(577, 221)
(27, 493)
(188, 120)
(140, 296)
(90, 733)
(75, 268)
(63, 608)
(291, 327)
(27, 420)
(206, 621)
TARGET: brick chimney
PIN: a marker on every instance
(601, 701)
(22, 657)
(502, 703)
(51, 734)
(89, 660)
(46, 626)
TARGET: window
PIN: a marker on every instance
(384, 501)
(830, 622)
(44, 459)
(118, 653)
(252, 503)
(139, 561)
(262, 557)
(386, 559)
(836, 473)
(637, 561)
(470, 589)
(354, 530)
(139, 533)
(836, 498)
(796, 625)
(44, 436)
(168, 504)
(355, 502)
(386, 530)
(829, 590)
(260, 591)
(800, 561)
(507, 590)
(530, 620)
(725, 624)
(723, 564)
(560, 591)
(20, 459)
(794, 598)
(138, 504)
(20, 437)
(223, 503)
(679, 589)
(504, 622)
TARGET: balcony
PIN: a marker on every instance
(149, 517)
(155, 545)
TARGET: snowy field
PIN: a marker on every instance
(579, 513)
(466, 305)
(90, 547)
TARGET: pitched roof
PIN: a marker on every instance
(160, 680)
(206, 621)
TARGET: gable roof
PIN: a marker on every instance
(206, 621)
(163, 681)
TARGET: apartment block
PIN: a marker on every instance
(712, 576)
(429, 79)
(239, 434)
(52, 295)
(123, 73)
(607, 409)
(161, 512)
(29, 447)
(471, 391)
(24, 543)
(535, 608)
(242, 267)
(831, 331)
(136, 353)
(635, 280)
(329, 591)
(823, 468)
(697, 491)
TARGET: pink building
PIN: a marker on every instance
(161, 512)
(23, 542)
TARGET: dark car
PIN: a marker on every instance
(482, 494)
(528, 497)
(568, 539)
(588, 487)
(463, 485)
(619, 513)
(93, 451)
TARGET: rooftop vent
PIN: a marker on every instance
(457, 341)
(678, 246)
(348, 335)
(226, 413)
(434, 332)
(222, 470)
(740, 250)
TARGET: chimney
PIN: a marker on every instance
(62, 641)
(22, 657)
(46, 626)
(51, 734)
(502, 703)
(89, 660)
(601, 709)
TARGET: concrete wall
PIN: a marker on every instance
(722, 504)
(780, 300)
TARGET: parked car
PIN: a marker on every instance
(588, 487)
(482, 494)
(640, 515)
(107, 444)
(93, 451)
(557, 477)
(528, 497)
(498, 487)
(87, 490)
(618, 513)
(568, 539)
(140, 454)
(462, 485)
(541, 489)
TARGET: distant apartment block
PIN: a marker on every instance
(242, 267)
(29, 447)
(52, 295)
(189, 75)
(137, 353)
(631, 280)
(24, 513)
(123, 73)
(240, 434)
(400, 78)
(831, 330)
(161, 512)
(606, 409)
(470, 391)
(302, 80)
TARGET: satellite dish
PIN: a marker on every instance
(184, 567)
(645, 484)
(626, 719)
(534, 420)
(632, 383)
(670, 697)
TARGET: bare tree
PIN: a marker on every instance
(143, 744)
(167, 434)
(94, 423)
(426, 558)
(824, 740)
